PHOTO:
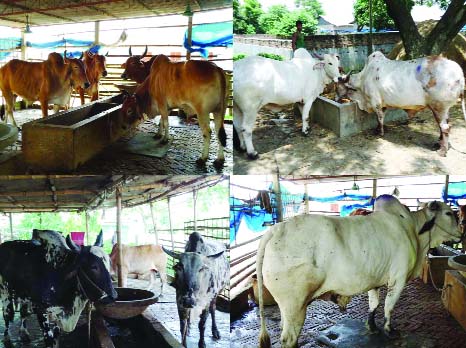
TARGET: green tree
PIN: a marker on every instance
(252, 10)
(380, 17)
(270, 19)
(312, 6)
(240, 24)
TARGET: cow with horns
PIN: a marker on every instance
(318, 256)
(58, 282)
(201, 273)
(95, 69)
(137, 69)
(50, 81)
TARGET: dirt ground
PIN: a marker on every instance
(407, 148)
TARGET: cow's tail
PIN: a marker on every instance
(462, 105)
(264, 338)
(222, 135)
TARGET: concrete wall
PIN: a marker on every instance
(352, 48)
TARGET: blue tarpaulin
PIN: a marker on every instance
(9, 43)
(209, 35)
(59, 43)
(456, 190)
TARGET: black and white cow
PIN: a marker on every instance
(201, 273)
(57, 282)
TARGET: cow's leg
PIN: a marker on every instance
(249, 121)
(50, 332)
(165, 131)
(24, 313)
(202, 321)
(293, 315)
(81, 95)
(44, 106)
(56, 108)
(237, 126)
(151, 279)
(183, 314)
(163, 279)
(8, 316)
(393, 294)
(221, 139)
(204, 124)
(212, 308)
(373, 304)
(10, 102)
(305, 115)
(124, 274)
(380, 119)
(441, 117)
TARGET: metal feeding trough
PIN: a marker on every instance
(8, 135)
(347, 119)
(130, 303)
(68, 139)
(458, 262)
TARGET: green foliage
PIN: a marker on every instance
(271, 56)
(268, 21)
(238, 56)
(246, 17)
(313, 6)
(287, 26)
(240, 23)
(380, 17)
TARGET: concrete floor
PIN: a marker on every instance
(181, 157)
(419, 313)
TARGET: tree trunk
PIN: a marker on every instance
(438, 40)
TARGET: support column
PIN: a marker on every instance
(96, 32)
(118, 231)
(194, 209)
(190, 33)
(374, 190)
(11, 226)
(306, 199)
(170, 223)
(86, 215)
(278, 197)
(154, 223)
(447, 181)
(23, 45)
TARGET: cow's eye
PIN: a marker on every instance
(449, 213)
(330, 63)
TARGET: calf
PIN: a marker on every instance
(201, 273)
(265, 83)
(431, 82)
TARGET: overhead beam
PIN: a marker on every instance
(27, 10)
(47, 193)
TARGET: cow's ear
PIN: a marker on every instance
(427, 226)
(214, 256)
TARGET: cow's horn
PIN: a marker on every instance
(64, 54)
(433, 206)
(71, 244)
(144, 53)
(106, 54)
(348, 76)
(318, 56)
(82, 55)
(130, 53)
(214, 256)
(173, 254)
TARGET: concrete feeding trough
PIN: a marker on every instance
(8, 135)
(64, 141)
(130, 303)
(347, 119)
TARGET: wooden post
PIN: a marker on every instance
(374, 188)
(194, 208)
(190, 33)
(23, 45)
(118, 230)
(96, 32)
(170, 223)
(278, 197)
(86, 215)
(154, 223)
(447, 181)
(11, 226)
(306, 199)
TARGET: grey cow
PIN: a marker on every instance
(201, 273)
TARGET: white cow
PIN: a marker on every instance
(431, 82)
(261, 82)
(312, 256)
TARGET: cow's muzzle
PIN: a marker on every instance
(87, 84)
(123, 76)
(104, 73)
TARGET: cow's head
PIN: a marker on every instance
(76, 72)
(94, 277)
(132, 109)
(54, 244)
(349, 86)
(95, 64)
(441, 223)
(331, 65)
(192, 276)
(134, 67)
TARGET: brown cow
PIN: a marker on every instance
(360, 211)
(199, 86)
(135, 68)
(462, 223)
(50, 81)
(141, 259)
(95, 69)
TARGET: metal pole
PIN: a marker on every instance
(170, 223)
(153, 223)
(118, 230)
(374, 190)
(306, 199)
(190, 33)
(96, 32)
(11, 225)
(23, 45)
(369, 50)
(447, 181)
(86, 215)
(194, 208)
(278, 197)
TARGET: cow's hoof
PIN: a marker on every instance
(215, 334)
(164, 141)
(240, 149)
(157, 136)
(201, 344)
(442, 152)
(201, 162)
(218, 163)
(392, 334)
(305, 133)
(371, 327)
(253, 156)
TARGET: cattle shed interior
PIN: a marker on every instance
(85, 194)
(430, 312)
(115, 26)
